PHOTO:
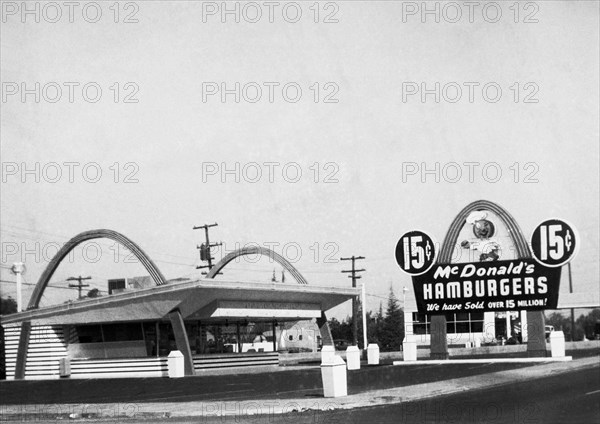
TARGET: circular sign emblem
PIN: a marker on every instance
(554, 242)
(415, 252)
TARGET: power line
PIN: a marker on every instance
(33, 284)
(377, 296)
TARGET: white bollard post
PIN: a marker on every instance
(477, 342)
(64, 367)
(327, 353)
(353, 358)
(557, 344)
(409, 348)
(333, 373)
(373, 354)
(175, 364)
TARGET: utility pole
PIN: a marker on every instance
(79, 284)
(204, 248)
(363, 293)
(572, 310)
(354, 277)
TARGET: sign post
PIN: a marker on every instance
(364, 315)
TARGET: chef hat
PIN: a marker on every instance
(476, 216)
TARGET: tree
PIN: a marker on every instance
(373, 329)
(94, 293)
(341, 330)
(584, 325)
(379, 316)
(385, 330)
(589, 324)
(8, 306)
(560, 323)
(392, 330)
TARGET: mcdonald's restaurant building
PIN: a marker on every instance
(130, 332)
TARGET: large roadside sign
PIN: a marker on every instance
(487, 286)
(491, 283)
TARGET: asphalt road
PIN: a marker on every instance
(572, 398)
(566, 398)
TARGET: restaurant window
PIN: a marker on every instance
(477, 327)
(420, 323)
(150, 337)
(462, 326)
(89, 333)
(256, 332)
(219, 339)
(476, 319)
(450, 323)
(122, 332)
(461, 322)
(166, 339)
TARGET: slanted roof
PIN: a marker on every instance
(204, 299)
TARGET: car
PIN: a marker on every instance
(549, 329)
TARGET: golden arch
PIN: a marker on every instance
(257, 250)
(523, 250)
(145, 260)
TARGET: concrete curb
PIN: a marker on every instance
(425, 353)
(486, 361)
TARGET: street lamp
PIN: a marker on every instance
(18, 269)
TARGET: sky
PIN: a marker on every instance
(367, 114)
